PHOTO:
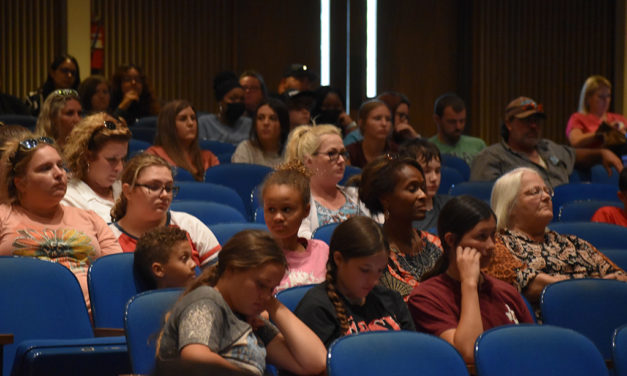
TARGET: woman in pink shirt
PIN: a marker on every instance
(582, 130)
(33, 222)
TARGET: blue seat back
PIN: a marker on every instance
(242, 177)
(619, 351)
(592, 307)
(181, 174)
(601, 235)
(143, 320)
(324, 232)
(479, 189)
(582, 211)
(201, 191)
(598, 174)
(542, 350)
(209, 213)
(24, 120)
(136, 146)
(40, 300)
(217, 147)
(349, 172)
(393, 353)
(259, 216)
(224, 231)
(457, 163)
(581, 192)
(617, 255)
(144, 132)
(450, 177)
(112, 281)
(291, 297)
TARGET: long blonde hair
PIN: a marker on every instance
(50, 110)
(305, 140)
(592, 84)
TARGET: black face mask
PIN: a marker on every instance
(328, 117)
(234, 111)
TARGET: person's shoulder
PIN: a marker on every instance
(317, 244)
(182, 219)
(81, 214)
(471, 140)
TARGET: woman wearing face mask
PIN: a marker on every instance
(330, 108)
(228, 125)
(62, 74)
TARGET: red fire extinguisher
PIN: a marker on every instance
(97, 48)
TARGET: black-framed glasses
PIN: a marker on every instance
(157, 188)
(335, 154)
(107, 124)
(66, 92)
(28, 144)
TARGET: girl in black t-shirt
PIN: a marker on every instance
(350, 301)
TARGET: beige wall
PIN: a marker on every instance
(78, 30)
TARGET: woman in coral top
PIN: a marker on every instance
(177, 140)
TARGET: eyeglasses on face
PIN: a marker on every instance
(157, 188)
(334, 154)
(68, 71)
(66, 92)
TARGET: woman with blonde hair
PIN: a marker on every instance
(177, 140)
(593, 126)
(59, 114)
(95, 155)
(321, 150)
(147, 192)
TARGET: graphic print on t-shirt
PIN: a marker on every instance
(52, 244)
(381, 324)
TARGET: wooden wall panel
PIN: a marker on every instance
(541, 49)
(32, 32)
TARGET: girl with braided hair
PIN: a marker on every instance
(286, 199)
(217, 319)
(350, 300)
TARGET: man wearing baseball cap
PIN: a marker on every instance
(523, 146)
(298, 77)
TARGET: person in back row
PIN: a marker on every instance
(522, 146)
(449, 115)
(612, 214)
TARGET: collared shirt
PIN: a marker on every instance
(80, 195)
(498, 159)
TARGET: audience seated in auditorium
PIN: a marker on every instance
(131, 94)
(449, 115)
(330, 108)
(375, 123)
(59, 114)
(396, 187)
(527, 254)
(321, 150)
(176, 140)
(593, 126)
(399, 108)
(286, 203)
(268, 135)
(95, 93)
(11, 105)
(255, 90)
(229, 124)
(460, 303)
(298, 77)
(299, 105)
(95, 155)
(163, 258)
(147, 191)
(612, 214)
(63, 73)
(33, 223)
(522, 146)
(350, 300)
(218, 319)
(428, 156)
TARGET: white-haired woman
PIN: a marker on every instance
(527, 253)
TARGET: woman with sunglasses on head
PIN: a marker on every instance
(62, 74)
(33, 222)
(395, 186)
(321, 151)
(147, 191)
(95, 155)
(131, 94)
(177, 140)
(59, 114)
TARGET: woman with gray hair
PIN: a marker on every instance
(529, 255)
(59, 114)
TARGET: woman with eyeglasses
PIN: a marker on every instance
(131, 95)
(321, 151)
(271, 125)
(59, 114)
(177, 140)
(527, 254)
(63, 73)
(147, 191)
(34, 223)
(375, 124)
(395, 186)
(95, 155)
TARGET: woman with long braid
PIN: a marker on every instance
(350, 301)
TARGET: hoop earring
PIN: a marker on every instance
(386, 214)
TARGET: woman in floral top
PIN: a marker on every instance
(527, 254)
(396, 187)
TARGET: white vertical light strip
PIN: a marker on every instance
(348, 55)
(371, 48)
(325, 42)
